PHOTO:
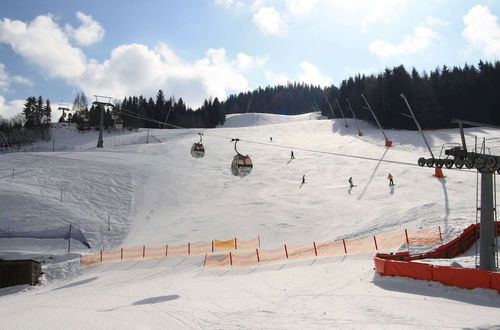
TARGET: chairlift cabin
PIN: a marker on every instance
(198, 150)
(242, 164)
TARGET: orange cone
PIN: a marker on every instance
(438, 172)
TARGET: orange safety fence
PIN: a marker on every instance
(132, 253)
(424, 236)
(217, 261)
(272, 255)
(400, 264)
(330, 249)
(197, 249)
(346, 246)
(250, 244)
(390, 241)
(111, 255)
(159, 251)
(244, 259)
(301, 251)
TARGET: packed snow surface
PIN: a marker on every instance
(144, 188)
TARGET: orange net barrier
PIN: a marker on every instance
(159, 251)
(272, 255)
(244, 259)
(225, 245)
(390, 241)
(167, 250)
(112, 255)
(199, 249)
(301, 251)
(330, 249)
(132, 253)
(360, 245)
(217, 261)
(91, 259)
(178, 250)
(423, 236)
(250, 244)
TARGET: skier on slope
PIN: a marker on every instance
(350, 182)
(291, 155)
(303, 179)
(390, 178)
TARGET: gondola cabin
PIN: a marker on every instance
(197, 150)
(241, 165)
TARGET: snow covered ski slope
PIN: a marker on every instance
(156, 193)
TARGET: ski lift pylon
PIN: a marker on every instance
(242, 164)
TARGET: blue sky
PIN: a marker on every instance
(196, 49)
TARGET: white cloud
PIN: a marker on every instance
(6, 80)
(420, 39)
(482, 31)
(269, 20)
(311, 75)
(211, 76)
(433, 21)
(381, 10)
(43, 43)
(229, 3)
(300, 7)
(132, 69)
(277, 78)
(11, 108)
(88, 32)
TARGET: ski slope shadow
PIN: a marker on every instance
(147, 301)
(82, 282)
(373, 174)
(434, 289)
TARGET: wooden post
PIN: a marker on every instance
(235, 244)
(166, 250)
(205, 261)
(121, 254)
(258, 257)
(101, 255)
(258, 237)
(315, 250)
(189, 248)
(230, 258)
(407, 241)
(441, 237)
(345, 249)
(144, 251)
(213, 247)
(286, 251)
(375, 240)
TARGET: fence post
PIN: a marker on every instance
(189, 248)
(230, 258)
(144, 251)
(205, 261)
(286, 251)
(121, 254)
(440, 237)
(345, 249)
(235, 244)
(407, 241)
(166, 250)
(375, 240)
(101, 255)
(258, 258)
(213, 246)
(258, 237)
(315, 250)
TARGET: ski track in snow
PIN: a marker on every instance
(156, 193)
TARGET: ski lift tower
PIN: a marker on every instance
(486, 165)
(101, 102)
(388, 142)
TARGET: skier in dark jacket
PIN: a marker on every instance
(350, 182)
